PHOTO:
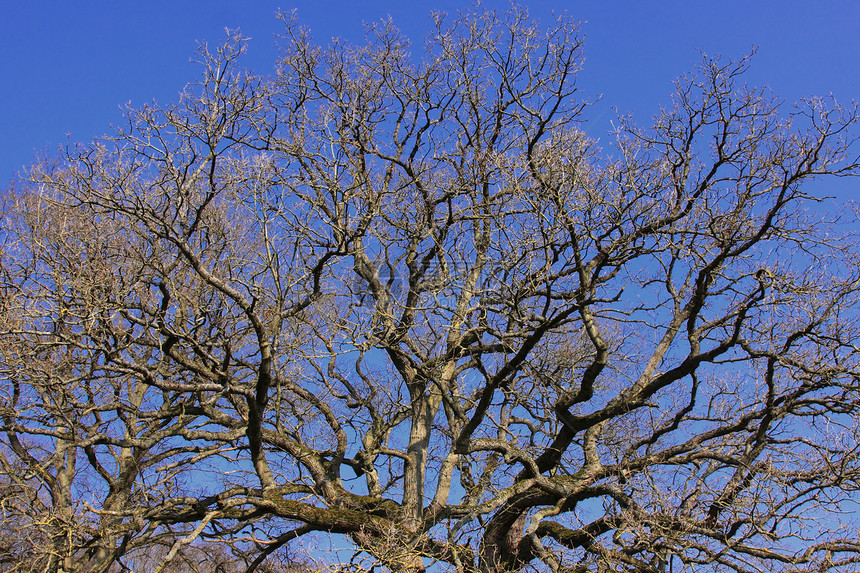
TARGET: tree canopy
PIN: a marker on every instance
(407, 301)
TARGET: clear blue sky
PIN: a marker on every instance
(67, 67)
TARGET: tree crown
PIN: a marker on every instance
(411, 303)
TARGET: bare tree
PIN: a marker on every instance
(411, 304)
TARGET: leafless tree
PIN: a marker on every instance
(407, 302)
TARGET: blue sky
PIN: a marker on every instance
(67, 68)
